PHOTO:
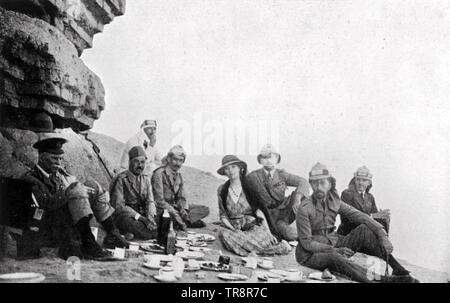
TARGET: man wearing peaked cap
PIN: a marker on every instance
(68, 205)
(132, 197)
(146, 138)
(320, 247)
(358, 195)
(270, 184)
(169, 192)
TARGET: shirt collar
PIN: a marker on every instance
(269, 172)
(171, 172)
(132, 176)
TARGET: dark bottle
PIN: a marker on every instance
(171, 241)
(163, 228)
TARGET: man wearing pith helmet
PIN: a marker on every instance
(269, 185)
(357, 195)
(169, 192)
(320, 247)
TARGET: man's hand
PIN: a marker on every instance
(152, 209)
(184, 214)
(150, 224)
(104, 198)
(382, 214)
(345, 251)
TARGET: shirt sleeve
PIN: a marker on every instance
(305, 235)
(118, 200)
(148, 195)
(158, 191)
(158, 157)
(374, 206)
(182, 201)
(291, 180)
(222, 211)
(358, 217)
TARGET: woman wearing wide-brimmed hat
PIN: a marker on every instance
(247, 228)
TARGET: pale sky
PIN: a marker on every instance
(350, 83)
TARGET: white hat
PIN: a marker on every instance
(266, 151)
(318, 172)
(363, 172)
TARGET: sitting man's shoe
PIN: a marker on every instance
(70, 250)
(196, 224)
(92, 250)
(115, 239)
(401, 279)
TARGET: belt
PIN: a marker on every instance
(324, 231)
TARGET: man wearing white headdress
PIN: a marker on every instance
(146, 138)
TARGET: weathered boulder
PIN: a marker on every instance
(17, 156)
(78, 20)
(40, 69)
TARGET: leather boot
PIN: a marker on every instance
(196, 224)
(397, 268)
(89, 247)
(114, 239)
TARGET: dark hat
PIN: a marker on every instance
(136, 151)
(228, 160)
(50, 143)
(41, 122)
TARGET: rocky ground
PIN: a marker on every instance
(132, 270)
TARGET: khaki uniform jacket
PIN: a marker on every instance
(169, 192)
(272, 193)
(316, 224)
(131, 194)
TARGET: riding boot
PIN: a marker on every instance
(90, 248)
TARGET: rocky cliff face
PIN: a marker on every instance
(40, 68)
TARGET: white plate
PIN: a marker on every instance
(147, 265)
(22, 277)
(280, 272)
(318, 276)
(163, 258)
(161, 279)
(205, 237)
(232, 277)
(195, 248)
(190, 254)
(264, 275)
(198, 244)
(192, 268)
(265, 267)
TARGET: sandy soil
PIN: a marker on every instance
(131, 270)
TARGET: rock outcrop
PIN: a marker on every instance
(40, 68)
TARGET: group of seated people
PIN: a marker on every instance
(256, 215)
